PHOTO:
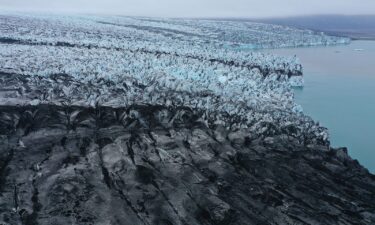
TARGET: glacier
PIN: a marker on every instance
(119, 61)
(159, 121)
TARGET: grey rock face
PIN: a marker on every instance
(159, 165)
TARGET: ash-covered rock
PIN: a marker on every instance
(165, 165)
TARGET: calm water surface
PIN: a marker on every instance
(340, 93)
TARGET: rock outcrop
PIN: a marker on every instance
(159, 165)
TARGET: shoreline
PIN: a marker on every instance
(347, 70)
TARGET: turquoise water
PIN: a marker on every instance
(339, 92)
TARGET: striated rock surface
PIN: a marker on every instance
(159, 165)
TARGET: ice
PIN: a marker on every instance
(296, 81)
(208, 65)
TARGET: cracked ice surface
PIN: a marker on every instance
(121, 61)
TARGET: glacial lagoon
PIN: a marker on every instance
(339, 92)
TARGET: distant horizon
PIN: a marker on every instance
(179, 17)
(247, 9)
(291, 16)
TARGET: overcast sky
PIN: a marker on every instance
(196, 8)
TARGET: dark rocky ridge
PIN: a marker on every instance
(158, 165)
